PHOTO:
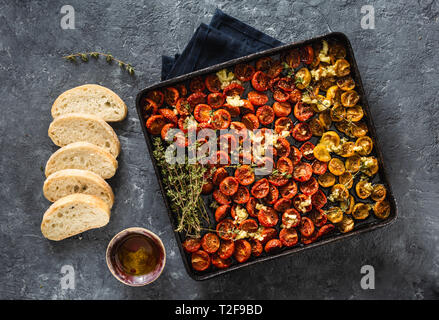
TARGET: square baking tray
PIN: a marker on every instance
(369, 224)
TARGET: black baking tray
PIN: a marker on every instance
(369, 224)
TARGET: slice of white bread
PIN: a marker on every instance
(84, 156)
(74, 214)
(76, 127)
(90, 99)
(70, 181)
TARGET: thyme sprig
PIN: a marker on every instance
(183, 184)
(84, 56)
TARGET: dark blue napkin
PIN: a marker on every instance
(223, 39)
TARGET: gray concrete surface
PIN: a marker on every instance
(398, 61)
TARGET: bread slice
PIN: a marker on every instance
(76, 127)
(70, 181)
(84, 156)
(74, 214)
(90, 99)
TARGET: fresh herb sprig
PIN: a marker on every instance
(84, 56)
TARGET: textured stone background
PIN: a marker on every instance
(398, 62)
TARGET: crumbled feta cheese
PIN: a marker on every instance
(366, 162)
(302, 206)
(235, 101)
(323, 54)
(260, 206)
(241, 214)
(226, 78)
(357, 148)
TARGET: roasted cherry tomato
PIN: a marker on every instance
(242, 251)
(210, 242)
(302, 78)
(219, 175)
(221, 119)
(325, 230)
(326, 180)
(307, 150)
(225, 229)
(233, 89)
(220, 263)
(257, 98)
(336, 166)
(221, 212)
(169, 115)
(155, 123)
(288, 237)
(295, 155)
(319, 167)
(221, 198)
(260, 81)
(149, 108)
(283, 124)
(244, 72)
(200, 260)
(260, 188)
(197, 85)
(207, 188)
(318, 199)
(381, 209)
(379, 192)
(263, 64)
(273, 245)
(302, 203)
(309, 187)
(165, 129)
(250, 121)
(318, 217)
(245, 175)
(346, 224)
(306, 227)
(213, 83)
(302, 111)
(216, 100)
(191, 245)
(247, 107)
(289, 190)
(282, 204)
(265, 115)
(280, 95)
(281, 109)
(268, 217)
(181, 90)
(286, 84)
(257, 247)
(171, 96)
(293, 58)
(156, 96)
(302, 132)
(307, 54)
(295, 96)
(249, 225)
(275, 69)
(302, 172)
(361, 211)
(203, 113)
(272, 196)
(334, 214)
(251, 207)
(290, 218)
(226, 249)
(242, 195)
(229, 186)
(268, 234)
(282, 147)
(196, 98)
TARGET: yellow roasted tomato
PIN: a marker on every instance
(339, 192)
(331, 93)
(360, 211)
(337, 50)
(336, 167)
(379, 192)
(326, 180)
(325, 119)
(316, 127)
(346, 83)
(342, 68)
(321, 153)
(348, 205)
(358, 129)
(354, 113)
(302, 78)
(326, 83)
(347, 149)
(338, 113)
(334, 214)
(346, 179)
(369, 165)
(346, 224)
(364, 189)
(331, 139)
(350, 98)
(353, 164)
(381, 209)
(364, 145)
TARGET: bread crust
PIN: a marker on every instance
(85, 176)
(72, 200)
(62, 122)
(93, 88)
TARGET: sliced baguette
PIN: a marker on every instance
(76, 127)
(74, 214)
(90, 99)
(84, 156)
(70, 181)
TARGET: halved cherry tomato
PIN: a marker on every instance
(216, 100)
(233, 89)
(155, 123)
(293, 58)
(219, 175)
(149, 108)
(221, 212)
(286, 84)
(265, 115)
(319, 167)
(288, 237)
(226, 249)
(197, 85)
(295, 96)
(221, 198)
(282, 109)
(285, 165)
(181, 90)
(260, 81)
(278, 179)
(306, 227)
(307, 54)
(171, 96)
(191, 245)
(183, 107)
(203, 113)
(260, 189)
(242, 195)
(302, 172)
(318, 199)
(245, 175)
(283, 124)
(249, 225)
(272, 196)
(250, 121)
(303, 111)
(264, 63)
(169, 115)
(244, 71)
(213, 83)
(275, 69)
(227, 142)
(200, 260)
(282, 147)
(247, 107)
(233, 110)
(220, 263)
(257, 98)
(291, 218)
(302, 132)
(302, 203)
(210, 242)
(257, 247)
(273, 245)
(268, 217)
(318, 217)
(242, 251)
(225, 229)
(207, 188)
(251, 207)
(289, 190)
(309, 187)
(196, 98)
(229, 186)
(282, 204)
(165, 129)
(325, 230)
(280, 95)
(295, 155)
(221, 119)
(307, 150)
(156, 96)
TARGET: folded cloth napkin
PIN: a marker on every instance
(223, 39)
